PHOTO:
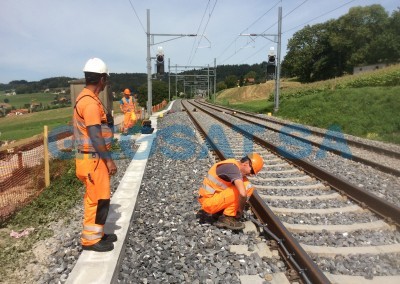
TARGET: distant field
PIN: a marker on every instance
(28, 125)
(18, 101)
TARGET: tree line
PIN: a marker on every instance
(364, 36)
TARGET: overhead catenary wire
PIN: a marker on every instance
(234, 40)
(262, 48)
(197, 32)
(319, 16)
(204, 30)
(133, 8)
(287, 14)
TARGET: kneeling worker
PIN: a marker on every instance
(226, 188)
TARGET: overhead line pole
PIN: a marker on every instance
(278, 64)
(149, 83)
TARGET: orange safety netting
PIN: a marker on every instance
(22, 171)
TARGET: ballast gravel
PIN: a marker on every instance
(349, 239)
(166, 241)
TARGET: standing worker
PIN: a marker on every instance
(93, 131)
(226, 189)
(127, 106)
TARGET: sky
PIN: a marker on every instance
(50, 38)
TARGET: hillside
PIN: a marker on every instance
(365, 105)
(253, 92)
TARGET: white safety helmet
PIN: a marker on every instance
(96, 65)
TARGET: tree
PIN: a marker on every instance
(365, 35)
(160, 93)
(221, 86)
(231, 81)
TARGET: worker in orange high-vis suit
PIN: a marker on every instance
(127, 106)
(93, 132)
(226, 189)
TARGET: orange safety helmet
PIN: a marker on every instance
(127, 92)
(257, 162)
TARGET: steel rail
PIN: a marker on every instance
(373, 148)
(298, 258)
(379, 205)
(350, 156)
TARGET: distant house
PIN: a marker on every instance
(360, 69)
(20, 111)
(250, 81)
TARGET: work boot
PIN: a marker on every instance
(229, 222)
(109, 238)
(101, 246)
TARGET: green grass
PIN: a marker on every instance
(19, 101)
(258, 106)
(369, 112)
(53, 204)
(28, 125)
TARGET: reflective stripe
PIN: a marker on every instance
(92, 237)
(217, 182)
(96, 229)
(208, 188)
(249, 185)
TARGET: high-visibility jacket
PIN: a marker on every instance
(213, 184)
(218, 195)
(81, 135)
(127, 104)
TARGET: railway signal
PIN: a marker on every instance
(160, 61)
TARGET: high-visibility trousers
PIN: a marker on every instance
(93, 172)
(129, 122)
(227, 200)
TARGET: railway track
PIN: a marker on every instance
(322, 223)
(385, 158)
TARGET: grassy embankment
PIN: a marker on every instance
(366, 105)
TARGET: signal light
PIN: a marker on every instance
(271, 59)
(160, 64)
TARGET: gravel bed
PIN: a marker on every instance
(349, 239)
(383, 185)
(362, 265)
(291, 192)
(54, 258)
(309, 204)
(293, 182)
(329, 219)
(166, 242)
(389, 146)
